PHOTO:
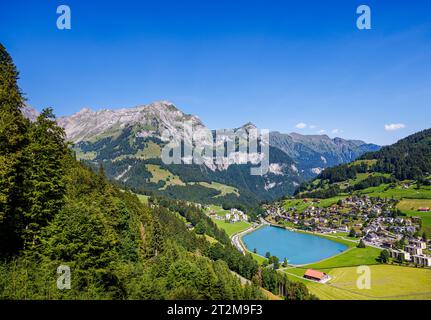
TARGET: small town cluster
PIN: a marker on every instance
(375, 220)
(233, 216)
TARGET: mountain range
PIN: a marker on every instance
(129, 143)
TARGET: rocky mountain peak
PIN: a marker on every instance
(30, 113)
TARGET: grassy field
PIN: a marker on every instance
(384, 191)
(258, 258)
(160, 174)
(80, 155)
(218, 210)
(224, 189)
(349, 258)
(361, 177)
(232, 228)
(142, 198)
(410, 207)
(151, 150)
(387, 282)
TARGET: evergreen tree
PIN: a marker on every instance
(384, 256)
(13, 140)
(44, 175)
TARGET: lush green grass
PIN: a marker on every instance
(223, 188)
(232, 228)
(384, 191)
(411, 206)
(361, 177)
(152, 150)
(80, 155)
(352, 257)
(218, 210)
(387, 282)
(160, 174)
(325, 292)
(349, 258)
(258, 258)
(142, 198)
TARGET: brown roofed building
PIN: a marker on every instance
(316, 275)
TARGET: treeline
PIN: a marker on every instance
(371, 181)
(193, 214)
(342, 172)
(326, 187)
(409, 158)
(329, 192)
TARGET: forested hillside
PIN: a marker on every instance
(408, 160)
(56, 211)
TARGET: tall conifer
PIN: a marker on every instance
(13, 141)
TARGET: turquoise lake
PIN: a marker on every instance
(298, 248)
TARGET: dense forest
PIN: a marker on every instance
(56, 211)
(409, 158)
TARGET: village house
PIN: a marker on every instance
(235, 215)
(422, 260)
(343, 229)
(399, 254)
(315, 275)
(418, 243)
(413, 250)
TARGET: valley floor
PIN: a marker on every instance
(388, 282)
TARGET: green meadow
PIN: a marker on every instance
(232, 228)
(389, 282)
(411, 206)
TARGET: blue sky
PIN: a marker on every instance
(284, 65)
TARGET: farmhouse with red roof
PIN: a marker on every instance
(315, 275)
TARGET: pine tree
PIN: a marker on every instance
(44, 175)
(13, 140)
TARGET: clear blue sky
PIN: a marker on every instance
(274, 63)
